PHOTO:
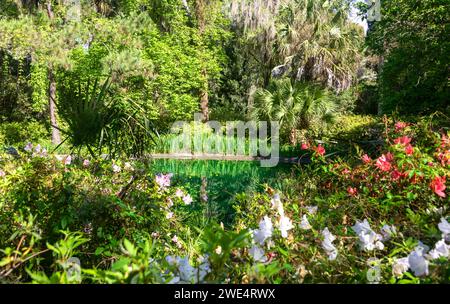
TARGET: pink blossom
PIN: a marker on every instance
(383, 163)
(438, 185)
(86, 163)
(320, 150)
(400, 125)
(352, 191)
(396, 175)
(305, 146)
(163, 180)
(366, 159)
(405, 140)
(409, 150)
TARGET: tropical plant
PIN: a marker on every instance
(95, 119)
(294, 105)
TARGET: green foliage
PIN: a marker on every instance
(412, 38)
(130, 227)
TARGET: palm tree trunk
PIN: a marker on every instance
(56, 138)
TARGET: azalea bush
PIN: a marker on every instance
(378, 216)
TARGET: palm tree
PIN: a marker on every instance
(294, 105)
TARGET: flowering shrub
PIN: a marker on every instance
(381, 217)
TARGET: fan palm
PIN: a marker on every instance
(95, 120)
(294, 105)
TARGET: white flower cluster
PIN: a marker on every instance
(327, 244)
(186, 198)
(265, 230)
(368, 239)
(186, 273)
(304, 224)
(418, 259)
(284, 223)
(38, 151)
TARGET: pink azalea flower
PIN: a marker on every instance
(86, 163)
(396, 175)
(383, 163)
(352, 191)
(163, 180)
(400, 125)
(366, 159)
(405, 140)
(320, 150)
(438, 185)
(389, 157)
(2, 173)
(409, 150)
(305, 146)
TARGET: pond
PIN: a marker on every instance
(220, 180)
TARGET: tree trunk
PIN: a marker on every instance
(293, 137)
(204, 98)
(200, 9)
(56, 138)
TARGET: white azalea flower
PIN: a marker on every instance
(311, 209)
(179, 193)
(258, 254)
(368, 239)
(304, 224)
(169, 215)
(418, 263)
(265, 230)
(116, 168)
(444, 227)
(400, 266)
(187, 199)
(68, 160)
(285, 224)
(86, 163)
(128, 166)
(186, 271)
(388, 231)
(203, 269)
(218, 250)
(327, 244)
(28, 147)
(441, 249)
(277, 204)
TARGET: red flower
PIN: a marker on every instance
(409, 150)
(389, 157)
(320, 150)
(405, 140)
(400, 125)
(366, 159)
(305, 146)
(383, 163)
(396, 175)
(444, 157)
(438, 185)
(352, 191)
